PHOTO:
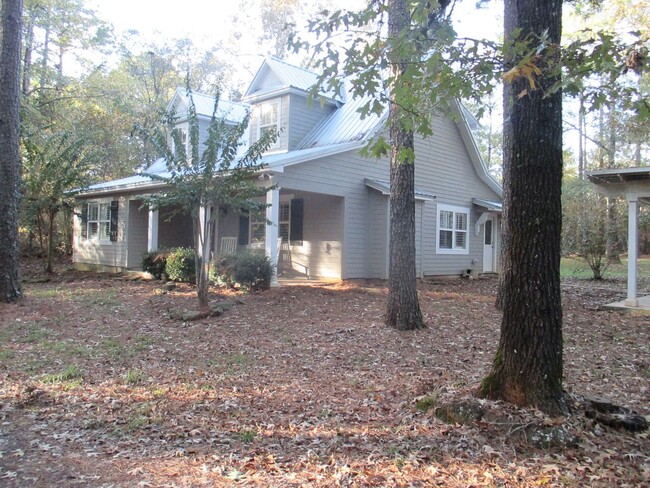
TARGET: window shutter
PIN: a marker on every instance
(84, 221)
(243, 229)
(297, 211)
(113, 230)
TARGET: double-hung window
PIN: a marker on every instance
(453, 234)
(258, 225)
(269, 120)
(99, 221)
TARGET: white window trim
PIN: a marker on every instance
(455, 209)
(262, 220)
(98, 238)
(277, 103)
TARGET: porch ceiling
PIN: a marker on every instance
(624, 181)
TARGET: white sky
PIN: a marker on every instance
(207, 22)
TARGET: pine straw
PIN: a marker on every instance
(299, 386)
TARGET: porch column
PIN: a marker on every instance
(152, 231)
(632, 251)
(271, 234)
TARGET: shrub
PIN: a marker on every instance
(223, 270)
(251, 270)
(154, 262)
(181, 265)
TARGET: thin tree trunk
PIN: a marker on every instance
(10, 168)
(403, 308)
(46, 48)
(527, 368)
(50, 240)
(27, 58)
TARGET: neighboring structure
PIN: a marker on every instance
(329, 204)
(634, 185)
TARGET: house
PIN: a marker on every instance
(329, 204)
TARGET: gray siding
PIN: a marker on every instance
(138, 230)
(377, 235)
(105, 253)
(304, 114)
(322, 247)
(444, 167)
(342, 175)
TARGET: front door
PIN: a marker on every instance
(488, 246)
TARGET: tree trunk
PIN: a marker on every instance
(203, 232)
(403, 308)
(50, 240)
(527, 368)
(46, 48)
(10, 168)
(27, 58)
(613, 255)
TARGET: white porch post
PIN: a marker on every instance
(271, 234)
(632, 252)
(152, 231)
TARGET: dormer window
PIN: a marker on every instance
(270, 120)
(182, 133)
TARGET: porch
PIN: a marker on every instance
(634, 185)
(304, 237)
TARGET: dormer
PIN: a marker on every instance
(204, 104)
(279, 98)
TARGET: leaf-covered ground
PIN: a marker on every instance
(298, 386)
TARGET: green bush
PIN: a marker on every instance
(154, 262)
(251, 270)
(181, 265)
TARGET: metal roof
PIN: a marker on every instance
(620, 175)
(290, 76)
(204, 104)
(383, 187)
(345, 125)
(488, 204)
(634, 183)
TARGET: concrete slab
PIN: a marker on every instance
(643, 306)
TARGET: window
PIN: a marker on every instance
(258, 225)
(181, 133)
(453, 235)
(270, 120)
(99, 221)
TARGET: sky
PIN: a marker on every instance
(207, 22)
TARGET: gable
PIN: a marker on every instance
(265, 80)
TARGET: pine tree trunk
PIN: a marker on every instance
(50, 240)
(10, 168)
(403, 308)
(527, 368)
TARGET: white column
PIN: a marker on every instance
(632, 252)
(271, 235)
(152, 231)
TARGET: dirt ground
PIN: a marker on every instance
(298, 386)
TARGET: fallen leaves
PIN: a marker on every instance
(298, 386)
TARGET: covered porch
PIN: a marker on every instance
(304, 238)
(634, 185)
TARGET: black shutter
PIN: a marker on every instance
(297, 211)
(243, 229)
(114, 209)
(84, 221)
